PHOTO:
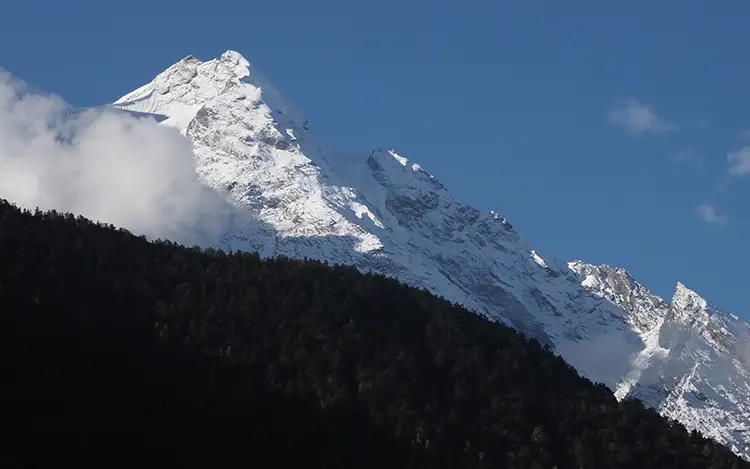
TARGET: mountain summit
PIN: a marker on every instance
(384, 213)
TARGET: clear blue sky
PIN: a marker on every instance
(597, 129)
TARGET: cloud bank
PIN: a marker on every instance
(104, 164)
(708, 214)
(637, 118)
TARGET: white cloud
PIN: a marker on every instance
(744, 134)
(708, 214)
(739, 161)
(103, 164)
(689, 157)
(637, 118)
(702, 123)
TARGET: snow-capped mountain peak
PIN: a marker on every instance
(689, 302)
(183, 88)
(236, 58)
(382, 212)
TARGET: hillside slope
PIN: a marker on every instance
(228, 357)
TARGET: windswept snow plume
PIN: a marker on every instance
(104, 164)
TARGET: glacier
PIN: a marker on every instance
(382, 212)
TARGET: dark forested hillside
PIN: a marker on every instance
(117, 351)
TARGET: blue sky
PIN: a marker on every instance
(612, 133)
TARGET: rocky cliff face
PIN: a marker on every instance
(381, 212)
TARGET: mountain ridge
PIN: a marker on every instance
(382, 212)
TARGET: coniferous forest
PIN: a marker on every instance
(119, 352)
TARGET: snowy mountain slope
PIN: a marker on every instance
(693, 365)
(382, 212)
